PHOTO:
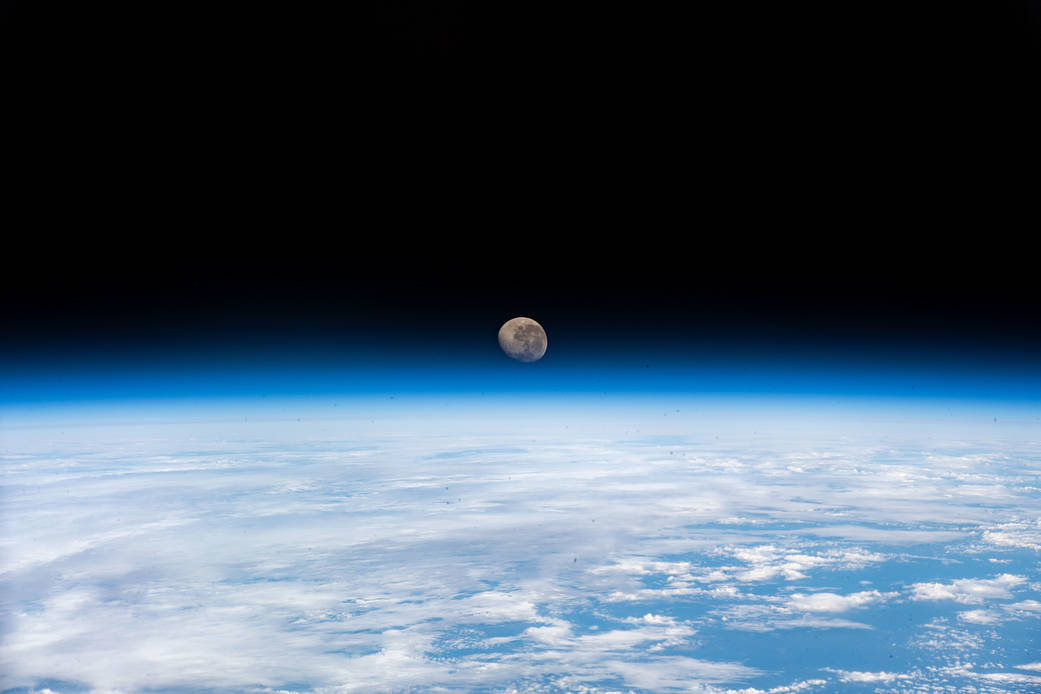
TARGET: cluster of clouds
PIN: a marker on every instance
(969, 590)
(1019, 534)
(336, 562)
(754, 564)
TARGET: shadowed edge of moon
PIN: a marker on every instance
(523, 339)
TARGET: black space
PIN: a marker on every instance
(739, 302)
(841, 173)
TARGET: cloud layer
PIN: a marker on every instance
(468, 552)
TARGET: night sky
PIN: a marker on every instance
(743, 325)
(267, 199)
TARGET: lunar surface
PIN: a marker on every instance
(523, 339)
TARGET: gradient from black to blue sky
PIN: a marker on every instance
(257, 200)
(757, 331)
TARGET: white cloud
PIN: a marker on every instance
(1014, 611)
(1012, 677)
(968, 590)
(642, 566)
(830, 602)
(714, 575)
(858, 676)
(980, 616)
(772, 617)
(555, 635)
(1024, 607)
(800, 610)
(942, 638)
(968, 671)
(1015, 535)
(676, 673)
(772, 561)
(803, 686)
(808, 622)
(496, 606)
(730, 592)
(645, 594)
(652, 619)
(765, 573)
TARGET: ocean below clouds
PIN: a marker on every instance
(439, 544)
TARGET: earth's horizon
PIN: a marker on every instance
(468, 544)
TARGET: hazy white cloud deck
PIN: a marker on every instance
(462, 546)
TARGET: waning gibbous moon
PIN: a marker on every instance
(523, 339)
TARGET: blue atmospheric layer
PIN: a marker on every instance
(736, 372)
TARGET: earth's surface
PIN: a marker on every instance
(549, 545)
